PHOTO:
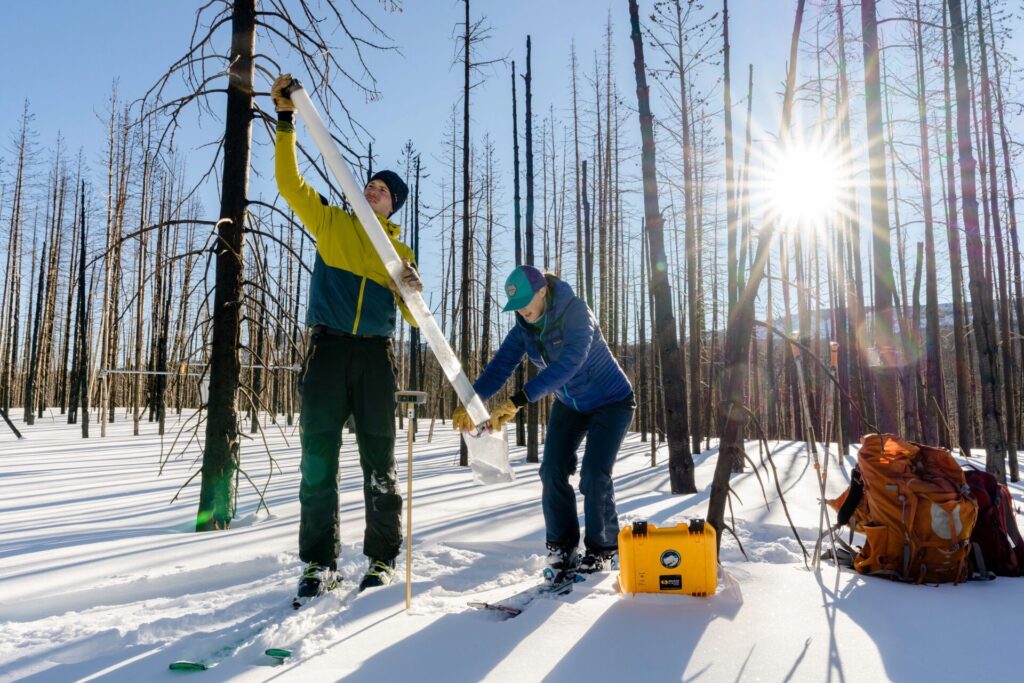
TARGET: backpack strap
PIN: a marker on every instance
(853, 498)
(844, 552)
(983, 573)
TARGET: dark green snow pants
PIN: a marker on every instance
(342, 376)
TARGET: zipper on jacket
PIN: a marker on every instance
(540, 349)
(359, 306)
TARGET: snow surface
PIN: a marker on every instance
(101, 578)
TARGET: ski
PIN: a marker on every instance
(274, 616)
(277, 653)
(514, 605)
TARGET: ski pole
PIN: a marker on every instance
(446, 358)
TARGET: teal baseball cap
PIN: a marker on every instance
(521, 285)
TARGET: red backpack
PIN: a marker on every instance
(995, 534)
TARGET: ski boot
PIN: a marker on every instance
(316, 580)
(380, 573)
(599, 561)
(563, 564)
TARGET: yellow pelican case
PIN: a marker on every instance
(681, 559)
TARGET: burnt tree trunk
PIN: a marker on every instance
(884, 283)
(1002, 274)
(933, 349)
(981, 290)
(521, 370)
(736, 349)
(964, 396)
(464, 348)
(532, 413)
(680, 463)
(221, 455)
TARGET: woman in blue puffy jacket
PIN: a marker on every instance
(594, 399)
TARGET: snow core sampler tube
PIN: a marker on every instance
(392, 262)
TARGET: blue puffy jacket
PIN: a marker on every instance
(570, 351)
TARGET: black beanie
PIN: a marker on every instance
(399, 190)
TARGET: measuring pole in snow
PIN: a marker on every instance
(409, 399)
(392, 262)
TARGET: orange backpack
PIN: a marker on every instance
(915, 509)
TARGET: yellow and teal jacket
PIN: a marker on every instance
(349, 289)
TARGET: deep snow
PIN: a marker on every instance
(101, 578)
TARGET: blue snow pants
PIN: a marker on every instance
(605, 428)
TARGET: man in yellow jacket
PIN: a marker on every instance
(349, 369)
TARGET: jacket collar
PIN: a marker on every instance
(394, 230)
(559, 296)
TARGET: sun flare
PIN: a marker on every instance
(804, 183)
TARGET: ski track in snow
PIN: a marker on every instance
(102, 578)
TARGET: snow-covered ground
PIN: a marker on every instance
(101, 578)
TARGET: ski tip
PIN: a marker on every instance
(278, 653)
(185, 665)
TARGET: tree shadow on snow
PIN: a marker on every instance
(911, 625)
(664, 630)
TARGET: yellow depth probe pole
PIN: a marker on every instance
(409, 399)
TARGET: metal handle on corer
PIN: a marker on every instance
(392, 262)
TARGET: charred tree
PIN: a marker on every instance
(532, 413)
(884, 325)
(681, 468)
(980, 287)
(736, 349)
(221, 457)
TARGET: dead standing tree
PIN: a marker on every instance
(532, 413)
(736, 351)
(474, 33)
(221, 457)
(981, 290)
(680, 462)
(307, 39)
(934, 369)
(466, 290)
(1000, 276)
(884, 334)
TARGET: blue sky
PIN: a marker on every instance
(70, 52)
(63, 55)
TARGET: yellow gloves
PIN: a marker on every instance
(281, 101)
(410, 278)
(505, 411)
(461, 421)
(499, 416)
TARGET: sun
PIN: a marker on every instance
(803, 185)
